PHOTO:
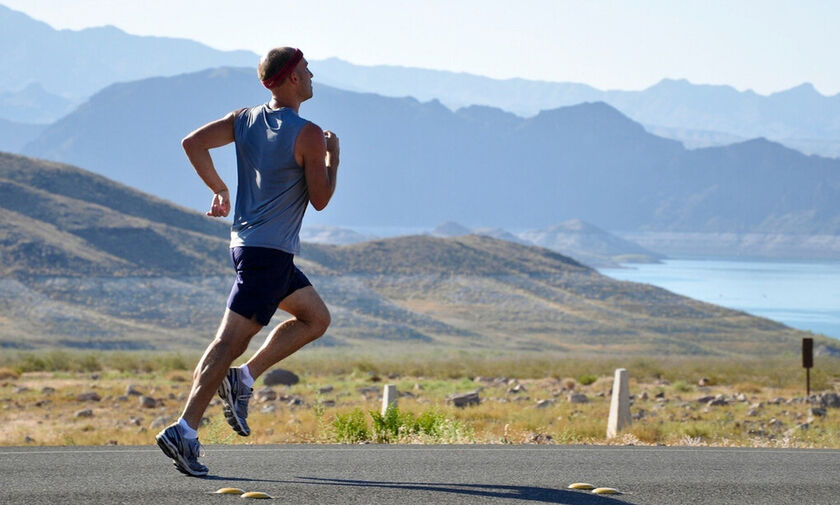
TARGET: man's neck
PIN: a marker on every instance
(277, 102)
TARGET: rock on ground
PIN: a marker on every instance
(90, 396)
(464, 400)
(830, 400)
(83, 413)
(266, 394)
(280, 377)
(578, 398)
(147, 402)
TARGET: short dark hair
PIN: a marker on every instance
(273, 61)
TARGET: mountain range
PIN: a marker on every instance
(698, 115)
(90, 263)
(590, 244)
(407, 163)
(575, 238)
(74, 64)
(13, 136)
(34, 105)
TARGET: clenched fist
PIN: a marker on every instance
(220, 206)
(332, 142)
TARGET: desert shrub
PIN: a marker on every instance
(748, 387)
(351, 428)
(431, 423)
(395, 425)
(649, 433)
(694, 430)
(8, 373)
(88, 363)
(681, 386)
(386, 427)
(587, 379)
(177, 376)
(577, 433)
(31, 363)
(174, 362)
(820, 380)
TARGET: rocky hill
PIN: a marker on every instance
(419, 164)
(590, 244)
(89, 263)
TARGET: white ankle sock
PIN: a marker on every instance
(186, 430)
(246, 375)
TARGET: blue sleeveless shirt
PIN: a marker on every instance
(271, 195)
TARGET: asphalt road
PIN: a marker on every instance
(424, 475)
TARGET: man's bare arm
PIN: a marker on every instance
(318, 152)
(197, 145)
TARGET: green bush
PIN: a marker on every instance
(694, 430)
(387, 427)
(89, 363)
(176, 362)
(431, 423)
(395, 425)
(351, 428)
(587, 379)
(681, 387)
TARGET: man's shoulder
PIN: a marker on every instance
(311, 131)
(250, 110)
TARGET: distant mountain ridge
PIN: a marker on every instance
(575, 238)
(34, 105)
(406, 163)
(697, 114)
(590, 244)
(14, 136)
(700, 114)
(82, 62)
(89, 263)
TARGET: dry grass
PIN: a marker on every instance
(7, 373)
(40, 416)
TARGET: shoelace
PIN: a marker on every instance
(195, 450)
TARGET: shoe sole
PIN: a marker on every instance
(177, 459)
(232, 419)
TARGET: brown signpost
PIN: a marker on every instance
(808, 362)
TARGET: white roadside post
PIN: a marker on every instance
(389, 396)
(620, 404)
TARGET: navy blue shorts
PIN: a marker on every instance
(264, 277)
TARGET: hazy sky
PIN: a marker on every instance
(765, 45)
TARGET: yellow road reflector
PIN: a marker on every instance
(581, 485)
(230, 490)
(256, 495)
(605, 490)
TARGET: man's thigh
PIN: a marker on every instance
(305, 304)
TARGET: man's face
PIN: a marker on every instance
(305, 78)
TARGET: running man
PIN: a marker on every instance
(284, 162)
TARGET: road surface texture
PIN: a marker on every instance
(424, 475)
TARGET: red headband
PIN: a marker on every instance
(284, 71)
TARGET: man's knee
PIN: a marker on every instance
(320, 321)
(234, 334)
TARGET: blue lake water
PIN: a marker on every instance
(802, 295)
